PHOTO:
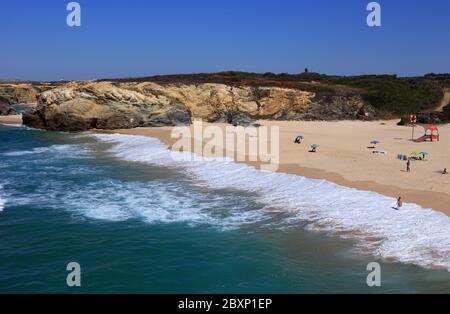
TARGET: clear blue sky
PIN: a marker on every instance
(144, 37)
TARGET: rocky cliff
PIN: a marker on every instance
(6, 109)
(21, 93)
(86, 105)
(79, 106)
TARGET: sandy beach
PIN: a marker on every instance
(344, 157)
(13, 119)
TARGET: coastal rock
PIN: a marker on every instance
(21, 93)
(83, 106)
(242, 105)
(235, 118)
(79, 106)
(328, 109)
(6, 109)
(209, 100)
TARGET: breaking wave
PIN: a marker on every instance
(414, 235)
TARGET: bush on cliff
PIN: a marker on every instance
(397, 95)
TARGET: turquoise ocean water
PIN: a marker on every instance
(138, 227)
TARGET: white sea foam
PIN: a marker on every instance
(153, 202)
(2, 201)
(60, 150)
(412, 235)
(13, 125)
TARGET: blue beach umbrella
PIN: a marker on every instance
(375, 142)
(314, 146)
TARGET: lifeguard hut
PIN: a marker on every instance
(431, 133)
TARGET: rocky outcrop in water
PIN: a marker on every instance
(79, 106)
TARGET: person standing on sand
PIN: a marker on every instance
(445, 171)
(399, 202)
(408, 166)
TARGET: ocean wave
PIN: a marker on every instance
(153, 202)
(59, 150)
(13, 125)
(2, 201)
(413, 235)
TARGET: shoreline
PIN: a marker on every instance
(434, 199)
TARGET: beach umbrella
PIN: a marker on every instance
(314, 146)
(415, 154)
(424, 154)
(375, 142)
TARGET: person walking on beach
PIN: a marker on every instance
(445, 171)
(399, 202)
(408, 166)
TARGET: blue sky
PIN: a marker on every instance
(121, 38)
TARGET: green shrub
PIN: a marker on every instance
(396, 95)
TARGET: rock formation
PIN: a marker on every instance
(78, 106)
(82, 106)
(6, 109)
(21, 93)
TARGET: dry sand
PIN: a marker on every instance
(343, 157)
(14, 119)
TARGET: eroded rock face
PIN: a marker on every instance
(6, 109)
(79, 106)
(13, 94)
(208, 100)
